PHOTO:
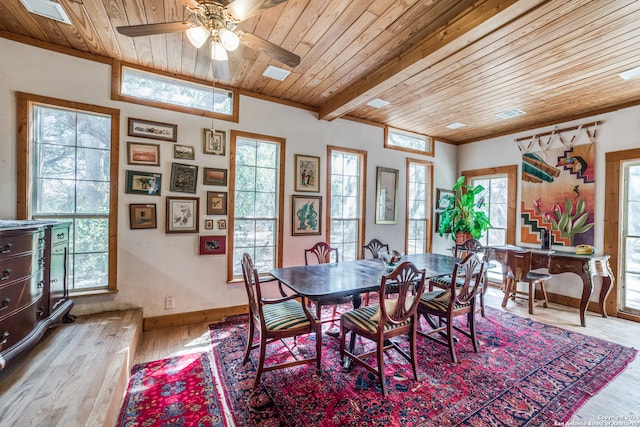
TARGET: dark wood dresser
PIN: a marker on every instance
(33, 282)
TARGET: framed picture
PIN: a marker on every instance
(142, 216)
(213, 142)
(154, 130)
(184, 178)
(183, 152)
(139, 153)
(307, 173)
(216, 203)
(306, 215)
(182, 214)
(214, 176)
(442, 200)
(213, 245)
(222, 224)
(387, 196)
(208, 224)
(143, 183)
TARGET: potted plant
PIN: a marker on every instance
(462, 216)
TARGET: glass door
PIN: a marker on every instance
(629, 282)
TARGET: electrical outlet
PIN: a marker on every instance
(169, 303)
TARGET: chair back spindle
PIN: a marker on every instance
(374, 246)
(322, 252)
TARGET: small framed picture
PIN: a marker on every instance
(387, 195)
(214, 142)
(143, 183)
(306, 215)
(155, 130)
(183, 152)
(222, 224)
(213, 245)
(208, 224)
(214, 176)
(142, 216)
(184, 178)
(182, 214)
(443, 198)
(307, 171)
(216, 203)
(139, 153)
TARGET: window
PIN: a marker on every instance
(630, 248)
(346, 200)
(157, 90)
(397, 139)
(72, 167)
(256, 202)
(419, 183)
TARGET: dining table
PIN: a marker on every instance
(353, 278)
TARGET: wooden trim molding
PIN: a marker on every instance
(173, 320)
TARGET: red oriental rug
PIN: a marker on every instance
(178, 391)
(526, 373)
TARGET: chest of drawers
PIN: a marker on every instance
(33, 282)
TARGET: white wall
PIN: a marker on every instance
(620, 130)
(152, 264)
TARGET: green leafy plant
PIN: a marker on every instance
(463, 213)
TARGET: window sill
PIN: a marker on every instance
(91, 293)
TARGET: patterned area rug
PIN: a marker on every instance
(526, 373)
(178, 391)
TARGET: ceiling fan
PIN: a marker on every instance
(217, 21)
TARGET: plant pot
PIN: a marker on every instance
(462, 237)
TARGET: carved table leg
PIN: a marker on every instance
(346, 364)
(602, 268)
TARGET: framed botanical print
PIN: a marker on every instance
(306, 215)
(184, 178)
(143, 183)
(214, 142)
(182, 214)
(307, 173)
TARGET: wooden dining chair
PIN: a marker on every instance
(470, 246)
(457, 300)
(395, 316)
(276, 319)
(374, 247)
(518, 270)
(323, 253)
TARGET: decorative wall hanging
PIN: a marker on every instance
(154, 130)
(307, 173)
(306, 215)
(558, 186)
(182, 214)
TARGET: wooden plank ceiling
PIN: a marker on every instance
(436, 61)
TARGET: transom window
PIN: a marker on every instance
(407, 141)
(418, 230)
(346, 200)
(256, 201)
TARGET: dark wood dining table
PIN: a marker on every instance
(353, 277)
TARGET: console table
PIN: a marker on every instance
(33, 282)
(585, 266)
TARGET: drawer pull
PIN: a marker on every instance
(5, 304)
(40, 284)
(60, 236)
(53, 281)
(39, 311)
(7, 248)
(5, 274)
(5, 338)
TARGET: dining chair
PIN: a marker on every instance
(470, 246)
(518, 270)
(396, 315)
(374, 247)
(457, 300)
(322, 253)
(276, 319)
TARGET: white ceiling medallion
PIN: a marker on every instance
(48, 9)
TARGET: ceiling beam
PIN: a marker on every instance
(468, 27)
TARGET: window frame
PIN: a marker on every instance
(234, 134)
(430, 151)
(429, 199)
(362, 217)
(117, 74)
(24, 104)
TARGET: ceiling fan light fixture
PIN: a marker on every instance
(197, 36)
(218, 52)
(229, 39)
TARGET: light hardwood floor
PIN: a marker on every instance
(61, 382)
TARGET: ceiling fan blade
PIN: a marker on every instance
(243, 9)
(190, 4)
(151, 29)
(276, 52)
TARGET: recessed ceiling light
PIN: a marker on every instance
(629, 74)
(276, 73)
(48, 9)
(378, 103)
(456, 125)
(510, 113)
